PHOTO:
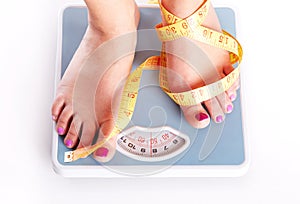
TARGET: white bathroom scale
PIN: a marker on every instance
(158, 142)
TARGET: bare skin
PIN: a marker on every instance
(181, 77)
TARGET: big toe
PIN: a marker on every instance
(196, 115)
(107, 151)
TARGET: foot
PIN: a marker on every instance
(182, 77)
(78, 129)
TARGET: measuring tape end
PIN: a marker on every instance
(69, 156)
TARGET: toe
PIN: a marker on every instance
(87, 134)
(71, 138)
(232, 91)
(57, 107)
(225, 102)
(215, 110)
(196, 116)
(64, 120)
(107, 151)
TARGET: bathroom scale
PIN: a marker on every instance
(158, 141)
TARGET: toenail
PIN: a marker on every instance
(69, 143)
(219, 119)
(60, 130)
(232, 97)
(101, 152)
(53, 117)
(229, 108)
(201, 116)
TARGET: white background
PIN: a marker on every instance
(267, 31)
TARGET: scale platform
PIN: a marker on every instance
(218, 150)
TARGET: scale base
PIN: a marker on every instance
(216, 151)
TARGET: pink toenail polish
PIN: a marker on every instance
(229, 108)
(69, 143)
(60, 130)
(219, 119)
(201, 116)
(53, 117)
(232, 97)
(101, 152)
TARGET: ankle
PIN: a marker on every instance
(184, 8)
(114, 17)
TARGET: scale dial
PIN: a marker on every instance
(152, 144)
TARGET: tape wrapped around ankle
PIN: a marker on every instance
(190, 28)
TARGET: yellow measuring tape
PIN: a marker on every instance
(189, 27)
